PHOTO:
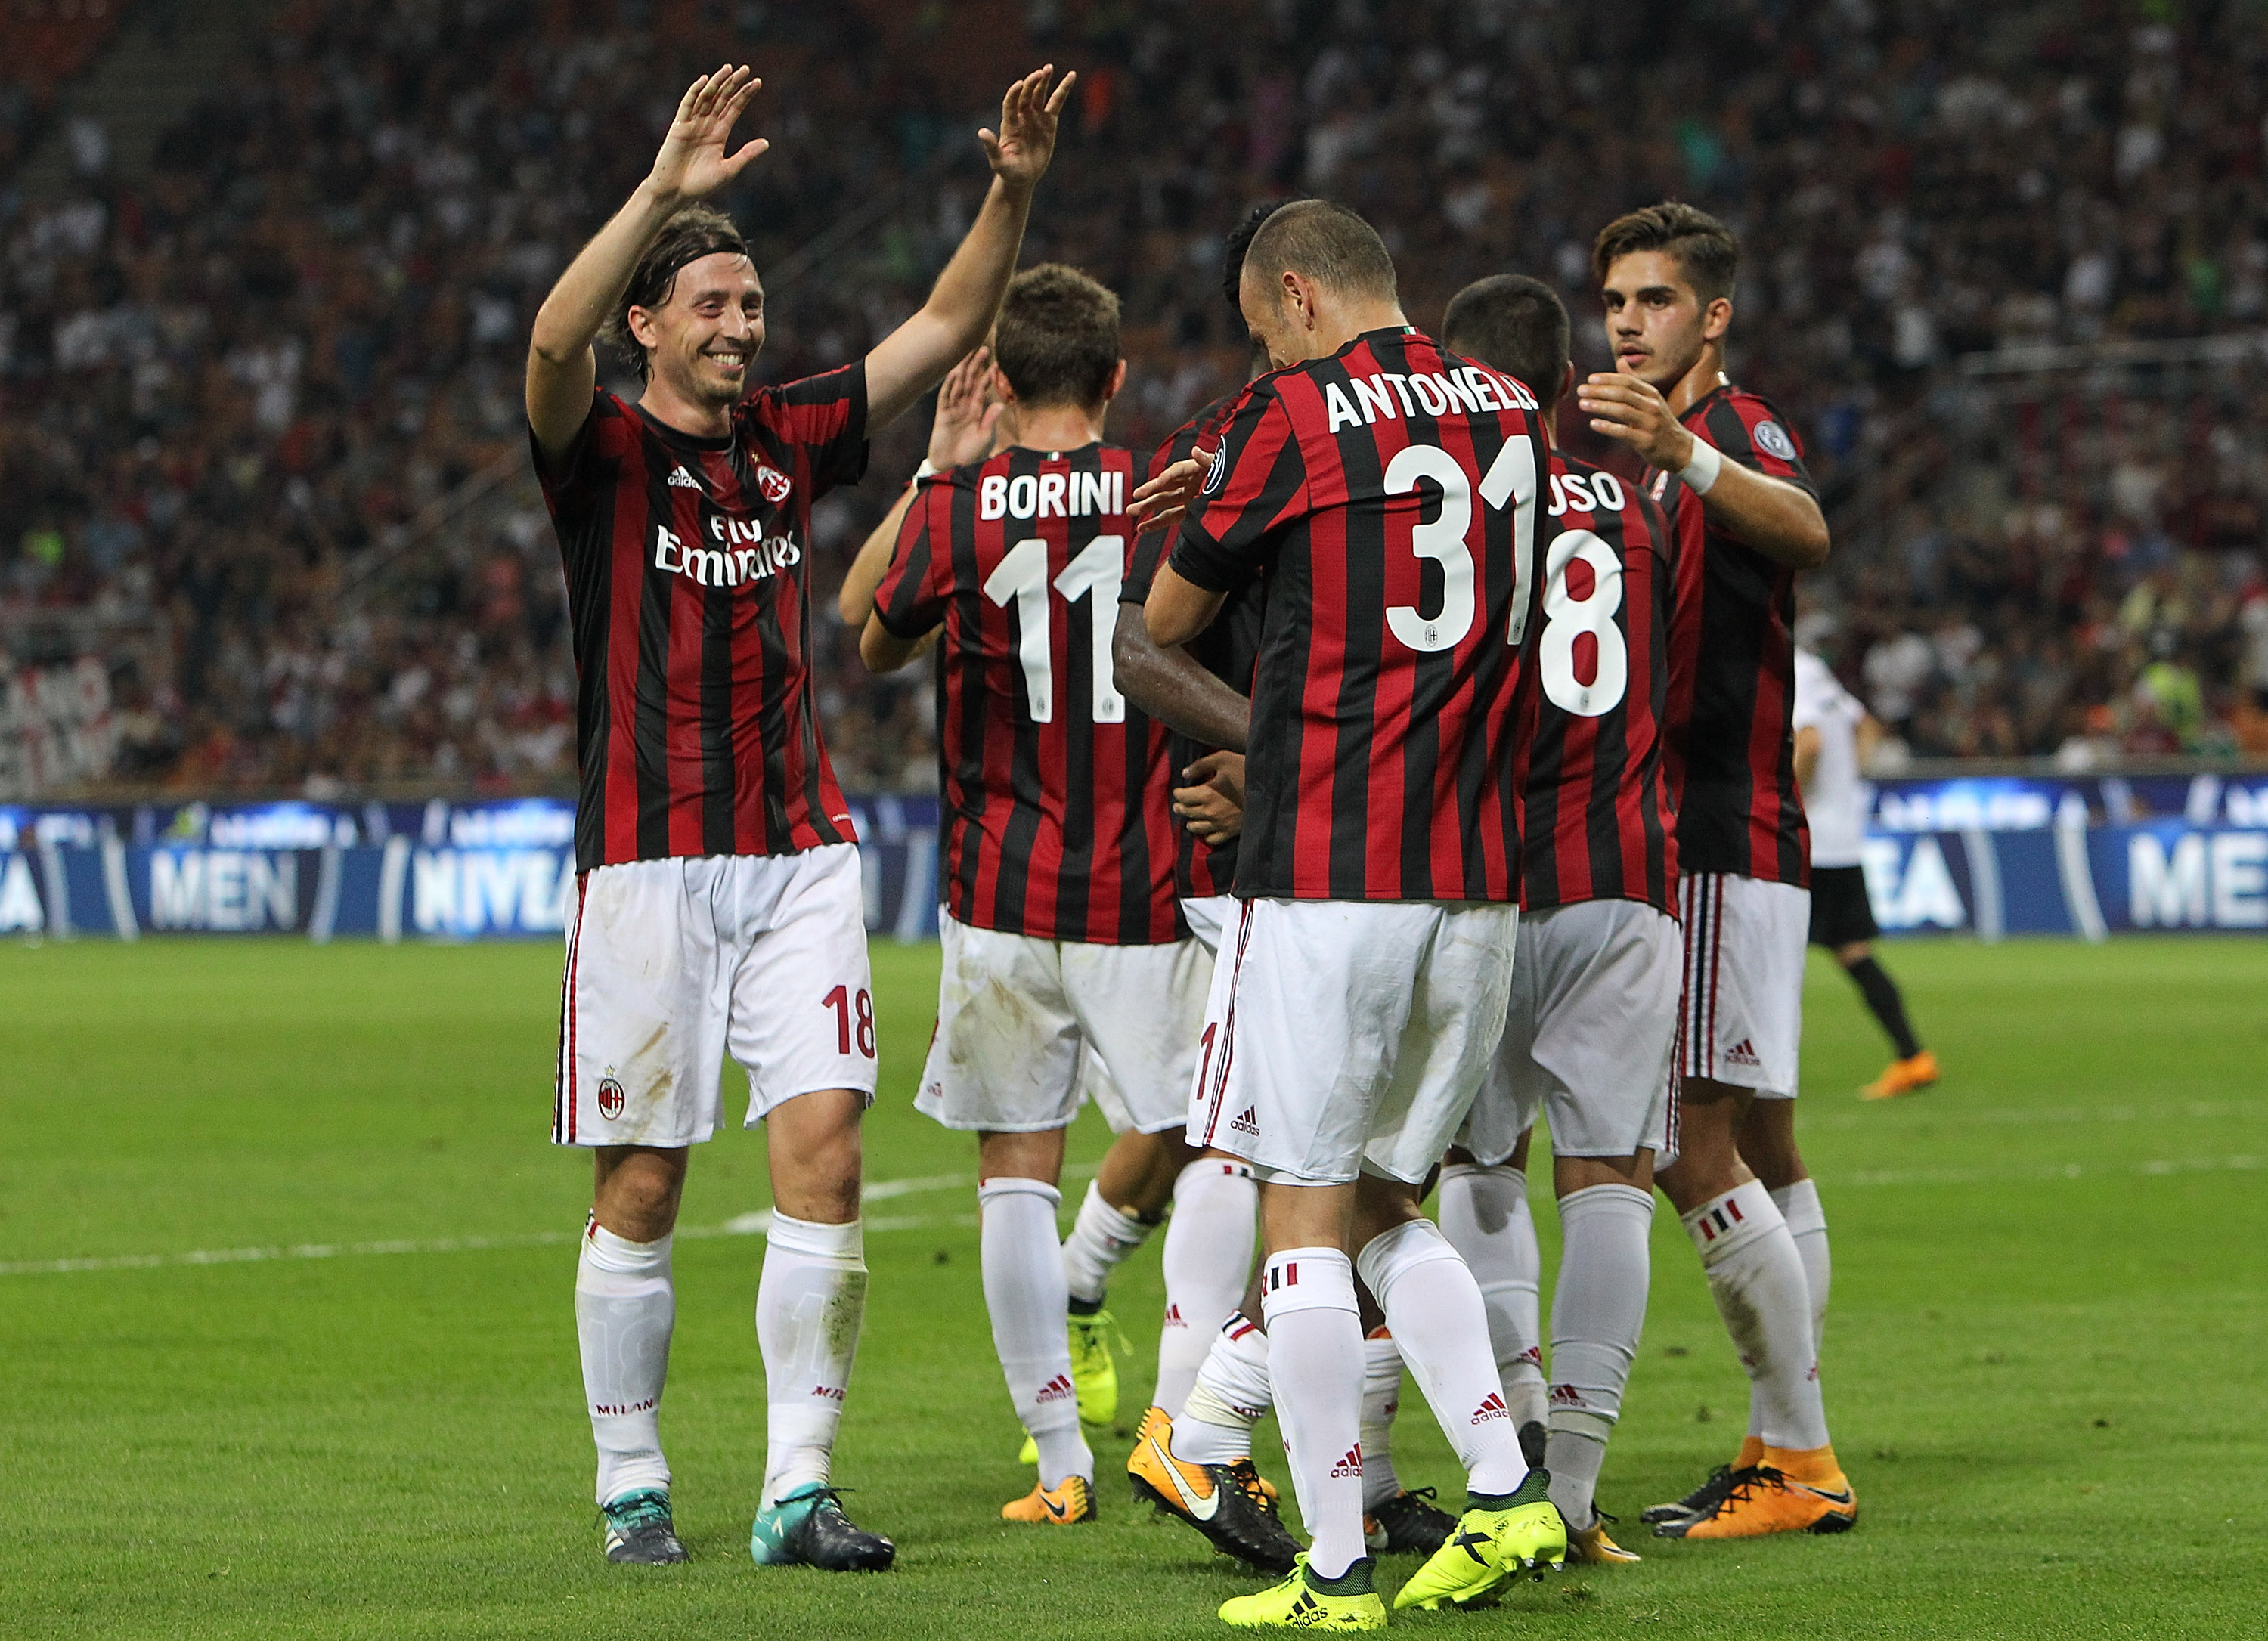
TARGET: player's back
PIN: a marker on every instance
(1058, 823)
(1596, 820)
(1733, 633)
(1388, 494)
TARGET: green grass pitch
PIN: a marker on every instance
(2044, 1363)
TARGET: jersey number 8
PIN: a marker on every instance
(1568, 619)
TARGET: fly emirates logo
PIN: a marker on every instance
(741, 553)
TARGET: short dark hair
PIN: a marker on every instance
(1513, 324)
(1328, 244)
(1703, 247)
(1056, 339)
(692, 233)
(1239, 242)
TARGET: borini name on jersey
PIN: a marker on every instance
(1596, 815)
(686, 585)
(1388, 493)
(1057, 797)
(1733, 646)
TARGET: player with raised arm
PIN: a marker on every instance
(1591, 1032)
(1666, 275)
(719, 908)
(1064, 951)
(1834, 733)
(1356, 1006)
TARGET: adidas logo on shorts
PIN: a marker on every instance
(1742, 1053)
(1246, 1122)
(1352, 1465)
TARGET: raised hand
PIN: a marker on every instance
(1161, 503)
(967, 414)
(1025, 141)
(693, 162)
(1632, 412)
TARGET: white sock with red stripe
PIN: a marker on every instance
(1434, 1307)
(1099, 1238)
(1485, 1216)
(1231, 1396)
(1026, 1294)
(1598, 1308)
(1207, 1259)
(624, 1310)
(1755, 1276)
(1381, 1396)
(810, 1301)
(1314, 1350)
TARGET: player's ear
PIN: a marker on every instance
(996, 380)
(643, 330)
(1117, 382)
(1566, 381)
(1716, 318)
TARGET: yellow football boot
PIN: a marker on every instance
(1302, 1601)
(1062, 1506)
(1492, 1545)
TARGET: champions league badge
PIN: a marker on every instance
(1772, 439)
(611, 1099)
(1217, 472)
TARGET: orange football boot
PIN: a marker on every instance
(1062, 1506)
(1904, 1077)
(1790, 1491)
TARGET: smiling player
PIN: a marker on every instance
(719, 906)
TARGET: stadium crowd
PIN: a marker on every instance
(236, 393)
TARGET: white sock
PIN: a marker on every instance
(1485, 1216)
(1099, 1238)
(1381, 1395)
(624, 1309)
(1208, 1260)
(1755, 1276)
(809, 1303)
(1315, 1349)
(1231, 1396)
(1435, 1309)
(1807, 1223)
(1024, 1291)
(1598, 1308)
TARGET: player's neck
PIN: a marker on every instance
(1058, 427)
(1338, 326)
(686, 415)
(1705, 378)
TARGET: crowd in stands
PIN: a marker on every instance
(242, 398)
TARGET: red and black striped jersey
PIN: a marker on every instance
(1058, 806)
(1388, 494)
(1596, 818)
(687, 581)
(1733, 638)
(1227, 650)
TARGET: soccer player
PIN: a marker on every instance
(1666, 275)
(1834, 731)
(1591, 1032)
(717, 906)
(1356, 1004)
(1214, 1367)
(1064, 946)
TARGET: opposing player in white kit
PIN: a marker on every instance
(1592, 1026)
(719, 908)
(1833, 732)
(1749, 520)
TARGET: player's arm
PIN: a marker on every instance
(1179, 609)
(884, 652)
(1779, 519)
(959, 314)
(693, 163)
(908, 612)
(968, 416)
(1871, 735)
(1170, 686)
(1807, 755)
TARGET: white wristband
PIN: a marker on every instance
(1700, 473)
(928, 469)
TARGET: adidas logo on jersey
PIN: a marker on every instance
(1055, 1390)
(681, 480)
(1742, 1053)
(1352, 1465)
(1246, 1122)
(1491, 1406)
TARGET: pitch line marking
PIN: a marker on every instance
(2022, 1116)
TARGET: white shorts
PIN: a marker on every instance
(674, 964)
(1028, 1029)
(1744, 940)
(1211, 917)
(1350, 1035)
(1590, 1036)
